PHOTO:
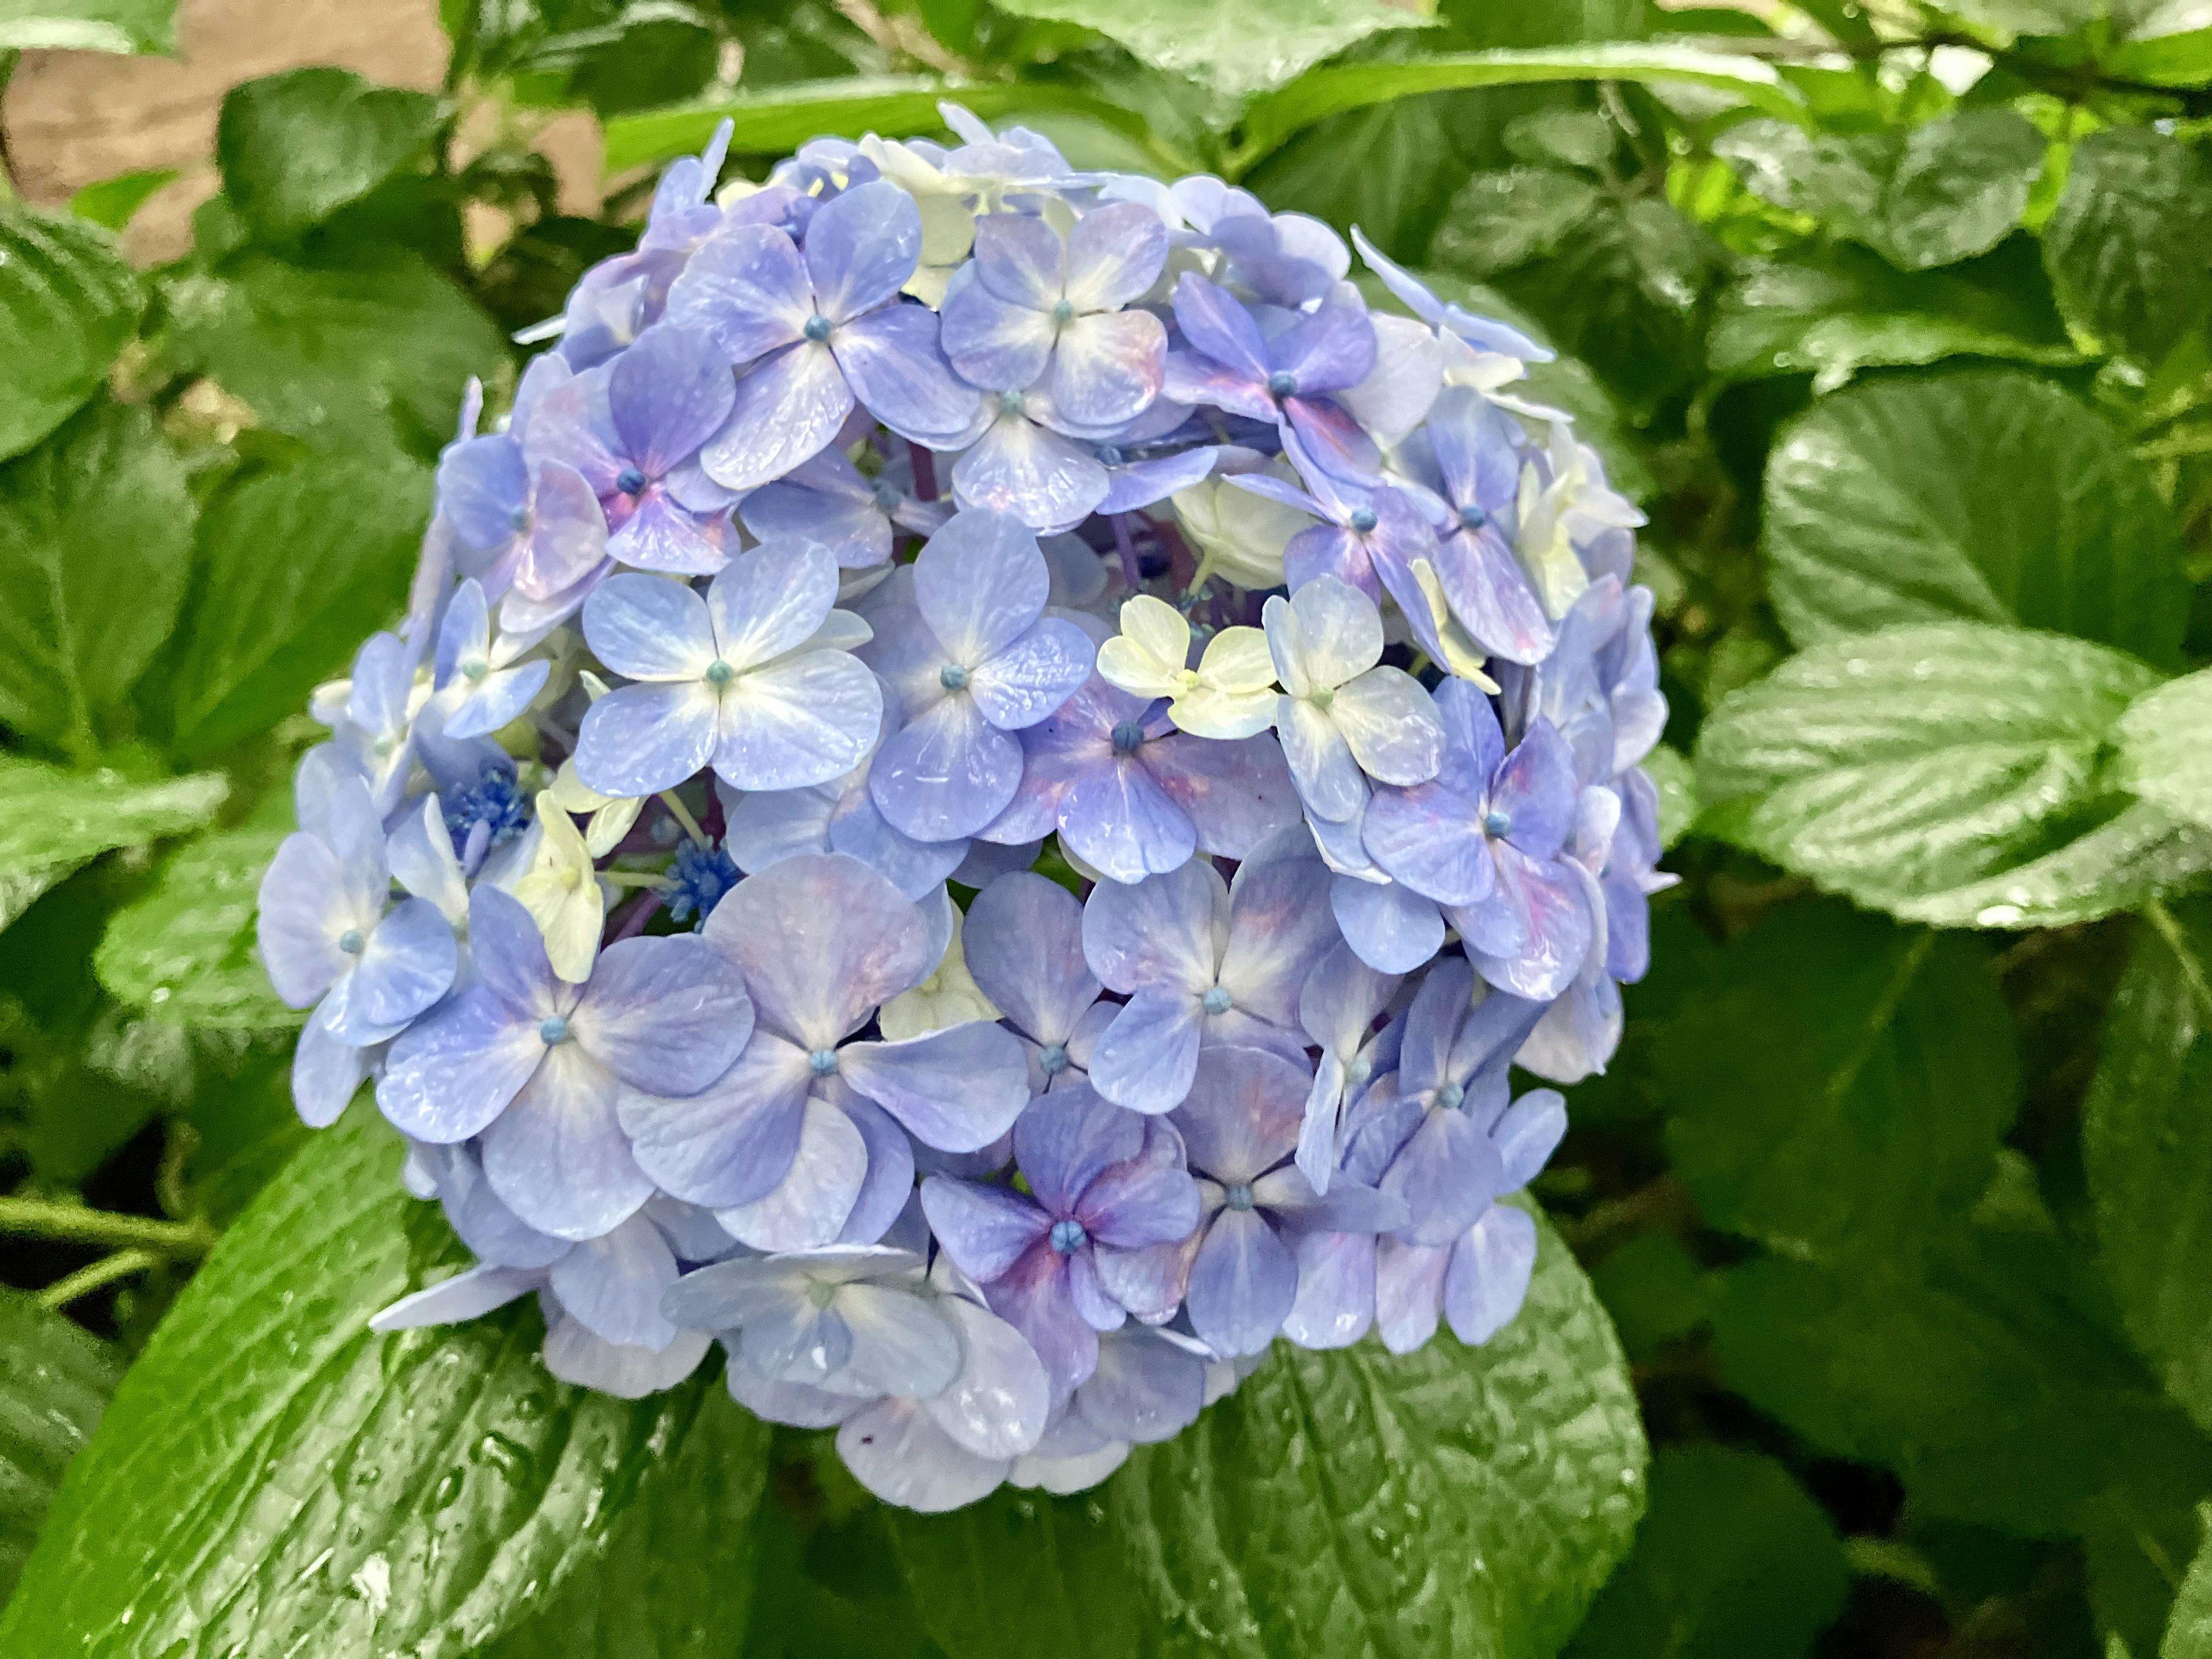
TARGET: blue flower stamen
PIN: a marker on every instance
(1238, 1195)
(553, 1031)
(822, 1061)
(1472, 517)
(719, 673)
(952, 677)
(351, 942)
(817, 328)
(1450, 1095)
(1053, 1058)
(1128, 738)
(1219, 1001)
(1068, 1236)
(1363, 519)
(1497, 825)
(1283, 384)
(630, 481)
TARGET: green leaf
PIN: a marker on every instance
(117, 26)
(1355, 86)
(1852, 310)
(67, 305)
(1653, 1290)
(1988, 495)
(295, 148)
(1960, 187)
(2163, 752)
(351, 1494)
(54, 1383)
(2189, 1633)
(95, 538)
(1676, 780)
(1733, 1558)
(51, 821)
(186, 950)
(112, 203)
(2121, 245)
(1390, 170)
(2147, 1147)
(1232, 52)
(1831, 1114)
(1504, 219)
(1969, 1372)
(1949, 189)
(1453, 1500)
(369, 353)
(262, 632)
(1947, 775)
(780, 119)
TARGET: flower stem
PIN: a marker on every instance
(1125, 544)
(634, 878)
(683, 816)
(100, 1274)
(41, 1218)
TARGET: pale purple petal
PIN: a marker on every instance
(668, 393)
(1409, 1290)
(980, 583)
(1114, 255)
(1535, 791)
(1558, 929)
(985, 1230)
(1279, 924)
(573, 1355)
(1243, 1115)
(1487, 1279)
(1030, 679)
(556, 1155)
(1107, 368)
(1335, 1302)
(947, 773)
(1145, 1201)
(612, 1285)
(861, 247)
(1163, 930)
(1221, 328)
(483, 484)
(1528, 1134)
(640, 739)
(303, 910)
(454, 1071)
(1067, 1140)
(747, 287)
(1147, 1387)
(1427, 837)
(958, 1090)
(1032, 1296)
(1447, 1175)
(1488, 593)
(891, 358)
(788, 410)
(857, 533)
(993, 341)
(1242, 1285)
(902, 1344)
(889, 1183)
(822, 940)
(509, 955)
(646, 628)
(1020, 468)
(794, 1403)
(406, 964)
(898, 1452)
(1024, 941)
(666, 1016)
(468, 1295)
(997, 1405)
(665, 536)
(800, 720)
(1020, 260)
(326, 1074)
(733, 1142)
(808, 1207)
(1118, 819)
(770, 600)
(916, 868)
(1236, 795)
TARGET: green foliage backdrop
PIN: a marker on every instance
(1874, 1313)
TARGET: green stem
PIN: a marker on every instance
(683, 815)
(634, 878)
(100, 1274)
(39, 1218)
(2192, 970)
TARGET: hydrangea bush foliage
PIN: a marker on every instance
(837, 593)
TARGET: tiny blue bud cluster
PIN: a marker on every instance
(982, 818)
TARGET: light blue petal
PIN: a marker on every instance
(1242, 1285)
(557, 1156)
(958, 1090)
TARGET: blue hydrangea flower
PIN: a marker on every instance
(1095, 1238)
(1342, 716)
(535, 1065)
(1202, 961)
(483, 684)
(826, 500)
(1467, 453)
(1478, 1281)
(1285, 379)
(535, 527)
(755, 679)
(1470, 339)
(1131, 796)
(332, 941)
(973, 660)
(1024, 941)
(1285, 259)
(816, 329)
(1339, 1005)
(701, 876)
(1483, 839)
(1240, 1125)
(632, 429)
(780, 1144)
(1042, 312)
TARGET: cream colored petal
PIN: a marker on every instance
(1205, 713)
(1236, 661)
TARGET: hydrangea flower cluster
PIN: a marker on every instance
(982, 783)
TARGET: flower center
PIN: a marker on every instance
(1364, 519)
(1219, 1001)
(629, 481)
(1068, 1236)
(1063, 313)
(822, 1295)
(719, 673)
(816, 329)
(888, 498)
(1359, 1071)
(1013, 403)
(473, 670)
(1472, 517)
(1128, 736)
(1054, 1059)
(1321, 696)
(952, 677)
(1238, 1195)
(350, 941)
(1110, 455)
(553, 1031)
(1283, 384)
(822, 1061)
(1497, 825)
(1449, 1096)
(519, 521)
